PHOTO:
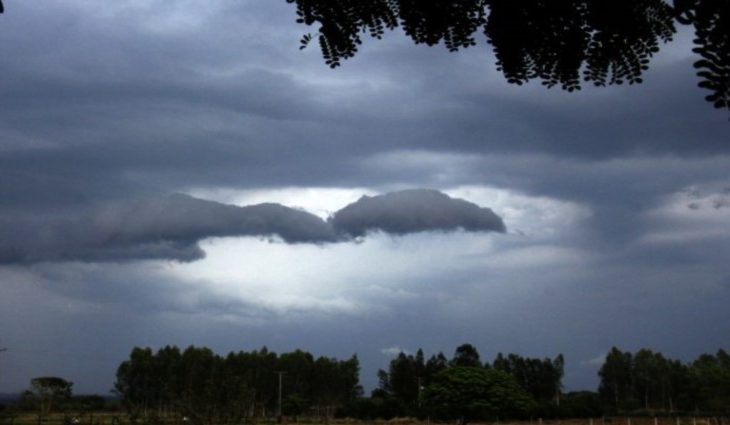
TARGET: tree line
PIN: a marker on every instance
(650, 381)
(208, 389)
(204, 388)
(466, 388)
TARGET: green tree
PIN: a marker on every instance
(435, 364)
(616, 386)
(49, 390)
(466, 355)
(710, 381)
(648, 370)
(541, 378)
(475, 393)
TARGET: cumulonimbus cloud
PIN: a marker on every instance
(170, 227)
(412, 211)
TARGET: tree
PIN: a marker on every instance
(558, 42)
(710, 381)
(616, 386)
(210, 389)
(647, 371)
(466, 355)
(435, 364)
(405, 376)
(475, 393)
(651, 381)
(49, 390)
(135, 382)
(541, 378)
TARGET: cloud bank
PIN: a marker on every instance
(171, 227)
(412, 211)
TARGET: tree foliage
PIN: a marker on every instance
(48, 390)
(409, 378)
(560, 43)
(406, 377)
(650, 381)
(541, 378)
(474, 393)
(210, 389)
(466, 355)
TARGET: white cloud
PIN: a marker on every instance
(394, 351)
(321, 201)
(533, 216)
(595, 361)
(694, 213)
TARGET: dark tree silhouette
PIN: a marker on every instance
(466, 355)
(711, 19)
(562, 42)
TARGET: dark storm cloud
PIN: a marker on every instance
(413, 211)
(105, 106)
(166, 228)
(171, 227)
(117, 83)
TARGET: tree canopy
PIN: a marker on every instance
(48, 390)
(473, 393)
(208, 388)
(211, 389)
(648, 380)
(561, 43)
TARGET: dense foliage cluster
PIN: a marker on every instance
(557, 42)
(46, 392)
(465, 388)
(209, 389)
(648, 380)
(474, 393)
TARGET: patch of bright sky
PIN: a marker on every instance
(693, 213)
(360, 278)
(320, 201)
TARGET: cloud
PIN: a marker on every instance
(412, 211)
(172, 226)
(165, 228)
(595, 361)
(394, 351)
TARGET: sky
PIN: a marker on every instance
(180, 172)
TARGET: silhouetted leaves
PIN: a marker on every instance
(342, 22)
(557, 42)
(711, 19)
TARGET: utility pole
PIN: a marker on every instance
(280, 373)
(2, 350)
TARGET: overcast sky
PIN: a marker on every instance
(138, 138)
